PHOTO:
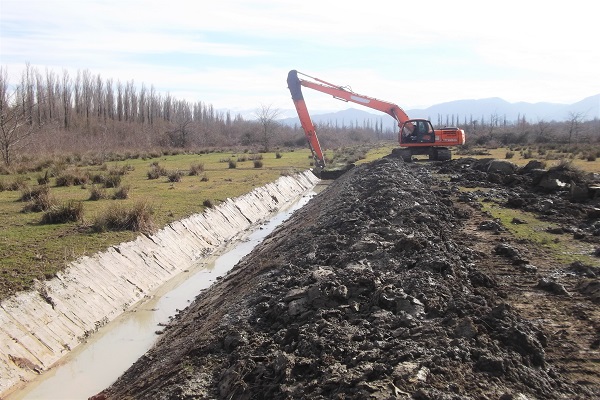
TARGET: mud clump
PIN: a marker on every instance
(365, 293)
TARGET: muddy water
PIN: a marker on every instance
(96, 364)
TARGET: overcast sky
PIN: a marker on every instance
(236, 53)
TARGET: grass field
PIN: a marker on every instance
(32, 250)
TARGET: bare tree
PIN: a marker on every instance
(574, 123)
(15, 113)
(267, 117)
(543, 134)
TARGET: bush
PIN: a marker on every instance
(118, 218)
(509, 154)
(97, 193)
(278, 155)
(121, 193)
(208, 203)
(28, 193)
(174, 176)
(38, 199)
(71, 211)
(156, 171)
(196, 169)
(43, 180)
(113, 181)
(258, 164)
(232, 164)
(71, 178)
(204, 178)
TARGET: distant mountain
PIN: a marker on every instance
(588, 108)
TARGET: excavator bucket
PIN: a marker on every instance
(334, 173)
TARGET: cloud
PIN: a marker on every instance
(239, 51)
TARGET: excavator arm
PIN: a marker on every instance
(416, 136)
(341, 93)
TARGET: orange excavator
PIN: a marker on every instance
(416, 136)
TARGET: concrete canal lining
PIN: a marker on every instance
(39, 327)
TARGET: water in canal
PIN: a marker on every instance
(93, 366)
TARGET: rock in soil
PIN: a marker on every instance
(365, 293)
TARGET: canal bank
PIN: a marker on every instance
(38, 328)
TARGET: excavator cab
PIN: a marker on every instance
(417, 131)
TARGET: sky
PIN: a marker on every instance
(235, 54)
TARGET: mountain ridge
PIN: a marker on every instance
(466, 109)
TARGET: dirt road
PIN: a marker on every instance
(393, 283)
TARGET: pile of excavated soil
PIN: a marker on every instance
(372, 290)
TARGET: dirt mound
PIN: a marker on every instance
(367, 292)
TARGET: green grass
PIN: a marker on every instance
(30, 250)
(563, 248)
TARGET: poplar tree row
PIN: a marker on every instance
(81, 100)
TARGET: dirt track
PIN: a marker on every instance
(393, 284)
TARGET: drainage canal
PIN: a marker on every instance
(94, 365)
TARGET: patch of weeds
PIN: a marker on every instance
(175, 176)
(44, 180)
(18, 183)
(97, 193)
(113, 180)
(119, 218)
(39, 199)
(71, 211)
(156, 171)
(72, 178)
(196, 169)
(121, 193)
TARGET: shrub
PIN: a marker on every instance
(232, 164)
(208, 203)
(118, 218)
(196, 169)
(38, 199)
(156, 171)
(509, 154)
(19, 183)
(258, 164)
(174, 176)
(113, 180)
(43, 180)
(28, 193)
(71, 178)
(121, 193)
(278, 155)
(71, 211)
(591, 157)
(204, 178)
(97, 193)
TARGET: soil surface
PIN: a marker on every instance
(392, 283)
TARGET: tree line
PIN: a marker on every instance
(46, 112)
